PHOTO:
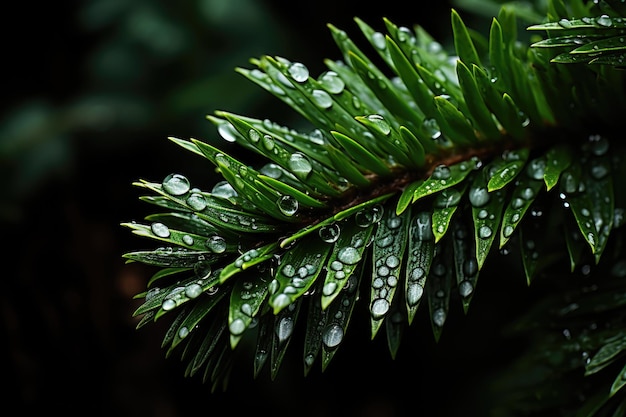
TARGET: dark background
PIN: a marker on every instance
(91, 91)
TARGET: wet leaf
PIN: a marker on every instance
(388, 249)
(298, 269)
(420, 254)
(246, 299)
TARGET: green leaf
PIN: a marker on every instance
(444, 177)
(445, 205)
(558, 158)
(388, 249)
(513, 164)
(191, 320)
(463, 42)
(349, 248)
(298, 270)
(339, 314)
(362, 155)
(439, 288)
(420, 256)
(281, 335)
(246, 299)
(524, 194)
(481, 115)
(465, 264)
(486, 214)
(460, 130)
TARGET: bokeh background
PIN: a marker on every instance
(91, 91)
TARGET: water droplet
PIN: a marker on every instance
(414, 293)
(378, 39)
(329, 288)
(193, 290)
(484, 232)
(465, 289)
(202, 269)
(288, 205)
(479, 196)
(392, 261)
(299, 72)
(183, 332)
(604, 20)
(254, 135)
(268, 142)
(331, 82)
(223, 189)
(599, 145)
(168, 304)
(187, 240)
(349, 255)
(470, 267)
(216, 244)
(175, 184)
(598, 169)
(322, 99)
(299, 165)
(432, 127)
(447, 198)
(197, 201)
(439, 317)
(160, 230)
(536, 168)
(227, 132)
(565, 23)
(379, 308)
(380, 123)
(284, 328)
(237, 327)
(271, 170)
(441, 172)
(289, 270)
(368, 215)
(330, 233)
(333, 335)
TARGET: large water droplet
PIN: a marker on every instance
(368, 215)
(299, 165)
(478, 196)
(288, 205)
(322, 99)
(349, 255)
(380, 123)
(227, 132)
(284, 328)
(439, 317)
(183, 332)
(299, 72)
(331, 82)
(333, 335)
(447, 198)
(193, 290)
(160, 230)
(197, 201)
(237, 327)
(223, 189)
(604, 20)
(379, 308)
(485, 232)
(330, 233)
(175, 184)
(216, 244)
(202, 269)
